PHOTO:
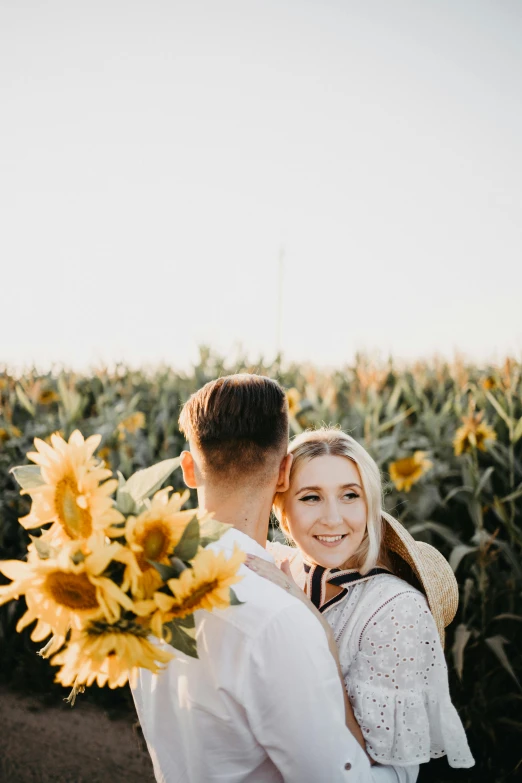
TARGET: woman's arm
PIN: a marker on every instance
(283, 578)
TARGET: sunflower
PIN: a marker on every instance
(108, 654)
(473, 434)
(294, 401)
(204, 586)
(47, 397)
(73, 496)
(152, 536)
(406, 472)
(133, 423)
(67, 590)
(105, 455)
(489, 382)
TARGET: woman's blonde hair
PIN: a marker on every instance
(330, 441)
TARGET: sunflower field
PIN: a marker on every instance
(448, 439)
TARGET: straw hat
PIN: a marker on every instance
(424, 567)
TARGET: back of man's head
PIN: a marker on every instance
(239, 425)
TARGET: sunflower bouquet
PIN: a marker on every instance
(117, 564)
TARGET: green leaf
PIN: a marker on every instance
(500, 511)
(500, 410)
(512, 495)
(70, 399)
(187, 622)
(469, 584)
(462, 635)
(436, 527)
(475, 511)
(483, 480)
(178, 565)
(458, 553)
(145, 483)
(124, 501)
(211, 530)
(165, 571)
(24, 400)
(234, 600)
(496, 643)
(180, 640)
(387, 425)
(189, 542)
(394, 398)
(28, 476)
(455, 491)
(517, 434)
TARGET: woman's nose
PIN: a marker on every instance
(332, 516)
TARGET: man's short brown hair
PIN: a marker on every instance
(239, 423)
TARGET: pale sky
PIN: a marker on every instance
(156, 155)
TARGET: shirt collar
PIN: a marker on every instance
(244, 542)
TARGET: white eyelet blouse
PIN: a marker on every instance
(394, 669)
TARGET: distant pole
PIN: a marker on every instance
(279, 327)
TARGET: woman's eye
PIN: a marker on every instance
(309, 497)
(351, 495)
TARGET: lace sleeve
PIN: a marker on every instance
(398, 685)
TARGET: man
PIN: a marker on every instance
(264, 701)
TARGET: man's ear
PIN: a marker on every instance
(188, 467)
(283, 481)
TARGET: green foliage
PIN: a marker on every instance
(469, 505)
(143, 484)
(188, 544)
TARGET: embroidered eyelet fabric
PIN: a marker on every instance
(395, 672)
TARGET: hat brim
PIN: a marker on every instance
(430, 569)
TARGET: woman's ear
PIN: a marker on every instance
(188, 466)
(283, 481)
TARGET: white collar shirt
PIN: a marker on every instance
(262, 703)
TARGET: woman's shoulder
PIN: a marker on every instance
(385, 588)
(383, 596)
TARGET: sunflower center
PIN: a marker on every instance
(155, 542)
(406, 467)
(192, 600)
(121, 626)
(76, 521)
(73, 591)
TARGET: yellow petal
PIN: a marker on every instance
(14, 569)
(99, 559)
(114, 592)
(143, 608)
(163, 602)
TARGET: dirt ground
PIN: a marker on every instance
(60, 744)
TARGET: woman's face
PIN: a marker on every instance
(325, 510)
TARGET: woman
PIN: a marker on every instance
(376, 586)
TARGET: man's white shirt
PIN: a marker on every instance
(262, 703)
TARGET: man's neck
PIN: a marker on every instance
(247, 511)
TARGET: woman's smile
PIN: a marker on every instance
(330, 540)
